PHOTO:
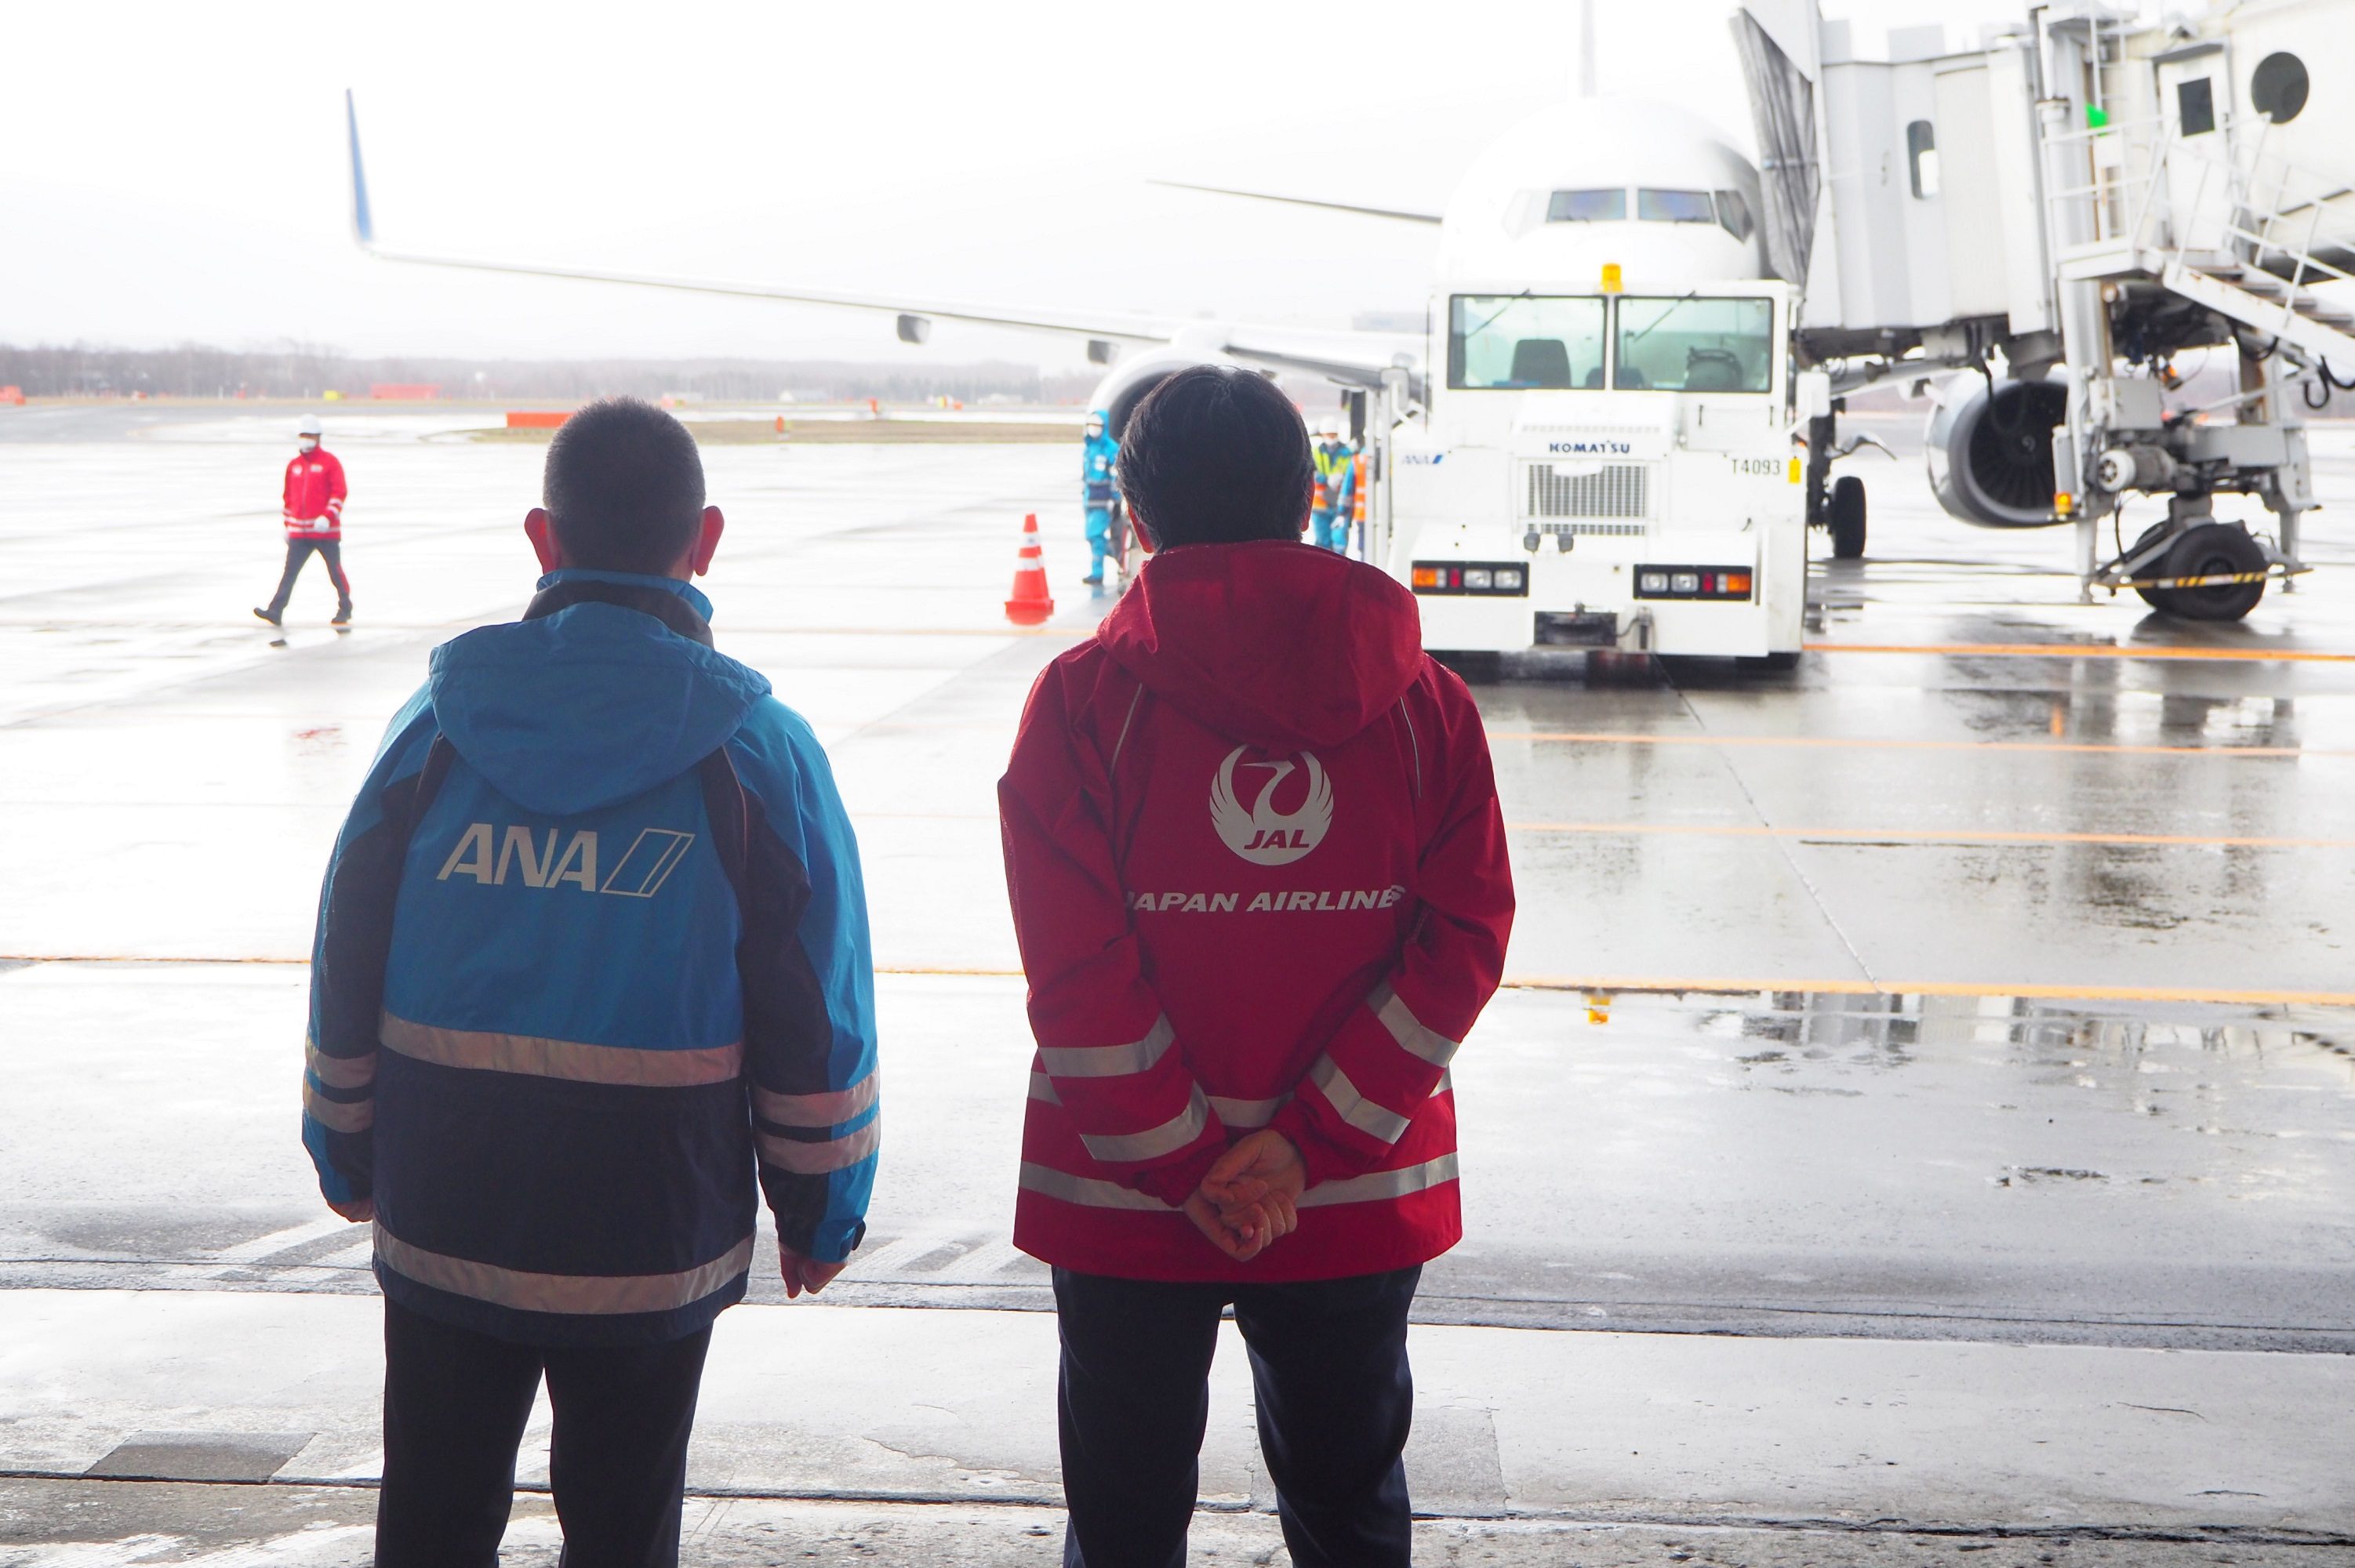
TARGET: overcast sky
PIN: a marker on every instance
(176, 172)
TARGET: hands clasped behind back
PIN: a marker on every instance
(1250, 1198)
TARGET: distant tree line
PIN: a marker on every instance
(306, 370)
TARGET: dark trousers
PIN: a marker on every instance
(456, 1403)
(298, 551)
(1329, 1368)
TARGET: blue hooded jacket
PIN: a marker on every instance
(593, 949)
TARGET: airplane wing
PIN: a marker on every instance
(1357, 359)
(1389, 212)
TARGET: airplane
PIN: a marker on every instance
(1601, 267)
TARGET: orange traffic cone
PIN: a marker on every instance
(1031, 605)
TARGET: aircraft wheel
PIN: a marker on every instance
(1845, 513)
(2159, 600)
(2214, 549)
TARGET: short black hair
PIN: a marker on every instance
(1216, 455)
(623, 487)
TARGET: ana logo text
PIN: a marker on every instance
(490, 855)
(1263, 834)
(1422, 460)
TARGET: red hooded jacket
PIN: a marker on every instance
(1259, 879)
(314, 496)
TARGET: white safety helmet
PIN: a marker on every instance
(311, 427)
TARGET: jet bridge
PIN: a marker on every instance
(2044, 222)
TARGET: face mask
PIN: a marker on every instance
(310, 443)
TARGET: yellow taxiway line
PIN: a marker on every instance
(2081, 651)
(1594, 987)
(1928, 835)
(1726, 985)
(1841, 835)
(1870, 742)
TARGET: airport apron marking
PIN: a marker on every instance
(1869, 743)
(1600, 985)
(2082, 651)
(1930, 835)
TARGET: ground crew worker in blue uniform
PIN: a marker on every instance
(1336, 491)
(1096, 462)
(591, 953)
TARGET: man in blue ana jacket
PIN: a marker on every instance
(593, 950)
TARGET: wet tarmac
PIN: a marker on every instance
(1982, 980)
(1963, 992)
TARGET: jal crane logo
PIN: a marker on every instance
(1263, 834)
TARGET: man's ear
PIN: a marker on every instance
(706, 541)
(538, 528)
(1143, 530)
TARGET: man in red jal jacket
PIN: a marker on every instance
(312, 510)
(1259, 878)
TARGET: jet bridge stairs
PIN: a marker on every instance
(2183, 244)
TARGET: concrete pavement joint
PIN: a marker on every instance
(2248, 1535)
(1765, 826)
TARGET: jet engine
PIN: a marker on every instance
(1119, 393)
(1990, 455)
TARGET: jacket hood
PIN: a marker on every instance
(587, 706)
(1281, 644)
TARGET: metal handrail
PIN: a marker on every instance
(2258, 224)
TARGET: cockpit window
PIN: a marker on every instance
(1733, 213)
(1587, 207)
(1674, 206)
(1694, 345)
(1518, 342)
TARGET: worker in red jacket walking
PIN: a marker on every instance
(315, 521)
(1259, 878)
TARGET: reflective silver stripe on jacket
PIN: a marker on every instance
(1376, 1185)
(599, 1294)
(1109, 1061)
(807, 1159)
(1154, 1142)
(1247, 1115)
(1373, 1187)
(343, 1116)
(574, 1059)
(339, 1072)
(1376, 1120)
(1090, 1191)
(831, 1109)
(1407, 1029)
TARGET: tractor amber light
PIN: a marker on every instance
(1798, 471)
(1477, 580)
(1721, 584)
(1610, 284)
(2063, 505)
